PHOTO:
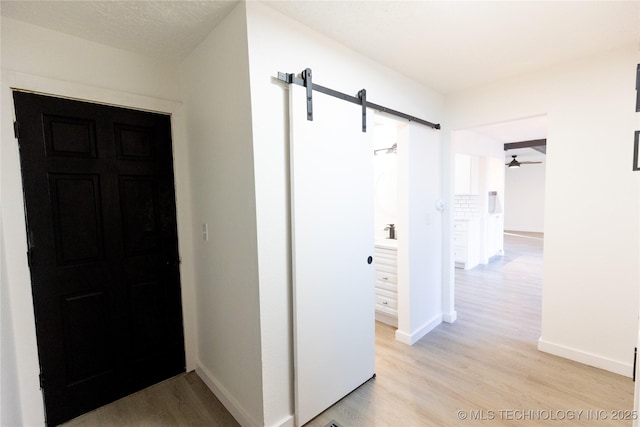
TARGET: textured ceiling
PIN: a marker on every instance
(446, 45)
(160, 29)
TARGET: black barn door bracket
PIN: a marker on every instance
(638, 89)
(308, 84)
(363, 100)
(636, 140)
(306, 81)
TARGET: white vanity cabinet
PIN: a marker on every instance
(386, 285)
(466, 237)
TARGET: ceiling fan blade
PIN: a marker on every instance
(515, 163)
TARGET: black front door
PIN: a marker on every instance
(103, 250)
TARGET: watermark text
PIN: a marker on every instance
(546, 414)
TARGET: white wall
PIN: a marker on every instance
(590, 291)
(420, 243)
(35, 50)
(215, 87)
(524, 198)
(277, 43)
(414, 175)
(49, 62)
(10, 411)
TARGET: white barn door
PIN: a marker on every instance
(332, 238)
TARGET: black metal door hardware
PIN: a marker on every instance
(636, 140)
(306, 81)
(638, 89)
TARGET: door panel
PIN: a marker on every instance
(101, 224)
(70, 137)
(138, 200)
(332, 229)
(86, 336)
(75, 205)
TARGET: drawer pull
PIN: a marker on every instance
(385, 278)
(385, 302)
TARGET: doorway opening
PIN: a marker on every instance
(407, 169)
(386, 218)
(498, 208)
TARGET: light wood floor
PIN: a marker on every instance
(485, 364)
(180, 401)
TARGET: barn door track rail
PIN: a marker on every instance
(306, 81)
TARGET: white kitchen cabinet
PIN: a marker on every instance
(386, 284)
(466, 237)
(466, 174)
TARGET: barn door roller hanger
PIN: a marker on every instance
(636, 141)
(306, 81)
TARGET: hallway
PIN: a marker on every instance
(484, 369)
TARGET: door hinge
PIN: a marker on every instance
(635, 361)
(41, 377)
(16, 129)
(30, 257)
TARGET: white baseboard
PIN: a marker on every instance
(587, 358)
(285, 422)
(413, 338)
(227, 400)
(450, 317)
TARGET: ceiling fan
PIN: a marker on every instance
(516, 164)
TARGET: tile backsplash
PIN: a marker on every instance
(466, 206)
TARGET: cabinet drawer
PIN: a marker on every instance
(460, 226)
(460, 250)
(388, 294)
(386, 276)
(387, 302)
(387, 270)
(381, 264)
(385, 257)
(387, 286)
(387, 310)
